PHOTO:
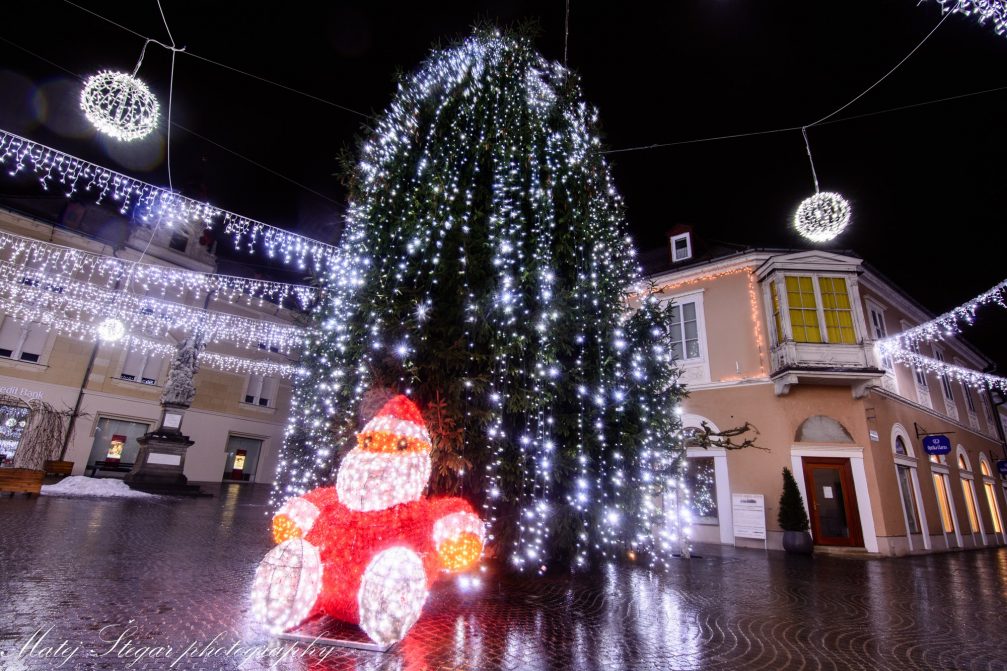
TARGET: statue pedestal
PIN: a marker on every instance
(160, 463)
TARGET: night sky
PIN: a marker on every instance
(927, 183)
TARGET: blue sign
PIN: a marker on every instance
(1002, 467)
(936, 444)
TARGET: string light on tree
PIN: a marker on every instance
(994, 11)
(486, 260)
(824, 215)
(119, 105)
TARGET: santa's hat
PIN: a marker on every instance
(398, 427)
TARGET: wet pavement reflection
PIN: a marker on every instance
(105, 584)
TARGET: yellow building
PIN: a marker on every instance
(785, 340)
(236, 419)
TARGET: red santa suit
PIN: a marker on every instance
(367, 550)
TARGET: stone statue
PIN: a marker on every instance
(180, 388)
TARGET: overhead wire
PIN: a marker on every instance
(222, 65)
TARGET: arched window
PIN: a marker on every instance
(906, 491)
(900, 446)
(969, 494)
(991, 500)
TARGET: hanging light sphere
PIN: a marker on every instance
(119, 105)
(822, 217)
(111, 330)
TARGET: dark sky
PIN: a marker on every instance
(926, 183)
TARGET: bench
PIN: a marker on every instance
(111, 466)
(55, 467)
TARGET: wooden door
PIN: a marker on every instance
(832, 500)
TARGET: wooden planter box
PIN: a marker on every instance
(61, 468)
(25, 480)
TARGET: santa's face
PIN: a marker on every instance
(385, 469)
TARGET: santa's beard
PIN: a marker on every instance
(378, 480)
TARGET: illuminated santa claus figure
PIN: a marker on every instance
(367, 550)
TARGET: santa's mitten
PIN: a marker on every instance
(459, 539)
(298, 514)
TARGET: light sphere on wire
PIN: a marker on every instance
(822, 217)
(119, 105)
(111, 330)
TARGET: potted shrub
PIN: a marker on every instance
(793, 518)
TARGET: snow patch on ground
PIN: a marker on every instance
(79, 485)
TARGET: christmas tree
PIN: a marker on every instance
(486, 271)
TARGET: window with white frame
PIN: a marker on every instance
(905, 475)
(685, 330)
(945, 380)
(991, 500)
(918, 374)
(969, 495)
(141, 367)
(22, 342)
(261, 390)
(969, 401)
(681, 247)
(818, 306)
(879, 331)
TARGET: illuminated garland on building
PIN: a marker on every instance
(994, 11)
(951, 322)
(61, 264)
(919, 362)
(486, 259)
(149, 204)
(78, 308)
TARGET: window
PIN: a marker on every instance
(921, 378)
(945, 382)
(803, 310)
(271, 348)
(837, 311)
(969, 494)
(116, 437)
(908, 500)
(242, 458)
(991, 499)
(261, 391)
(681, 247)
(179, 241)
(879, 331)
(775, 294)
(900, 446)
(139, 367)
(947, 520)
(970, 504)
(968, 398)
(701, 482)
(22, 343)
(684, 331)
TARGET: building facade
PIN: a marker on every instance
(236, 419)
(785, 340)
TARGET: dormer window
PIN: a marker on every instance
(681, 247)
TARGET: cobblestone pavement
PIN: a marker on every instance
(176, 573)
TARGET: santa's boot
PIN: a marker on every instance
(287, 583)
(391, 596)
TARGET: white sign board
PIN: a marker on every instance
(749, 515)
(164, 459)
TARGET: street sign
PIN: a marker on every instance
(1002, 467)
(936, 444)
